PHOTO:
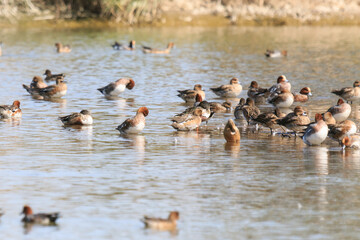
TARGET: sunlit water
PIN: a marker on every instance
(269, 187)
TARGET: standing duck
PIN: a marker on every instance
(283, 100)
(281, 84)
(160, 223)
(62, 48)
(351, 142)
(258, 94)
(341, 111)
(135, 124)
(52, 77)
(39, 218)
(157, 51)
(269, 119)
(205, 108)
(220, 107)
(231, 90)
(115, 88)
(296, 121)
(303, 96)
(10, 111)
(340, 130)
(250, 111)
(189, 95)
(191, 123)
(238, 109)
(82, 118)
(231, 132)
(316, 132)
(349, 93)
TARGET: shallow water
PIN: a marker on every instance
(269, 187)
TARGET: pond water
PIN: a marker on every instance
(269, 187)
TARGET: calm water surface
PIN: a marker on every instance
(267, 188)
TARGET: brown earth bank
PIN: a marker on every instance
(101, 13)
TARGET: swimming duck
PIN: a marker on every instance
(296, 121)
(36, 84)
(340, 130)
(117, 87)
(316, 132)
(275, 53)
(157, 51)
(162, 224)
(190, 123)
(189, 95)
(349, 93)
(351, 142)
(135, 124)
(249, 110)
(238, 113)
(303, 96)
(62, 49)
(231, 132)
(231, 90)
(283, 100)
(52, 77)
(220, 107)
(118, 46)
(82, 118)
(341, 111)
(10, 111)
(258, 94)
(269, 119)
(40, 218)
(54, 91)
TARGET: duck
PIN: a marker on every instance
(281, 84)
(351, 142)
(62, 48)
(191, 123)
(249, 110)
(269, 119)
(238, 113)
(205, 108)
(328, 118)
(54, 91)
(189, 95)
(220, 107)
(115, 88)
(341, 111)
(349, 94)
(39, 218)
(339, 130)
(118, 46)
(160, 223)
(52, 77)
(36, 84)
(82, 118)
(231, 132)
(11, 111)
(283, 100)
(317, 132)
(258, 94)
(303, 96)
(231, 90)
(296, 121)
(135, 124)
(275, 53)
(157, 51)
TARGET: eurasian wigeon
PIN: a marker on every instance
(62, 48)
(115, 88)
(341, 111)
(258, 94)
(190, 123)
(135, 124)
(349, 93)
(316, 132)
(340, 130)
(205, 108)
(283, 100)
(157, 51)
(269, 119)
(351, 142)
(238, 109)
(231, 132)
(82, 118)
(296, 121)
(118, 46)
(54, 91)
(39, 218)
(10, 111)
(281, 84)
(220, 107)
(275, 53)
(52, 77)
(36, 84)
(329, 119)
(249, 110)
(303, 96)
(189, 95)
(160, 223)
(231, 90)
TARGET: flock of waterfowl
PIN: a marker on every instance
(332, 122)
